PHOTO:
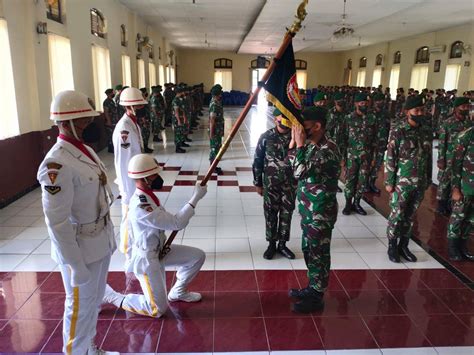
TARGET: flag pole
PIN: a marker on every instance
(291, 32)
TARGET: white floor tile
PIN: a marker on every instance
(20, 246)
(341, 245)
(231, 232)
(20, 221)
(355, 232)
(380, 261)
(411, 351)
(277, 263)
(367, 245)
(347, 261)
(234, 261)
(8, 262)
(233, 245)
(31, 211)
(348, 221)
(425, 261)
(199, 232)
(230, 221)
(37, 263)
(10, 232)
(203, 221)
(455, 350)
(207, 245)
(44, 248)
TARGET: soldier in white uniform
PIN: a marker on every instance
(127, 141)
(149, 220)
(76, 200)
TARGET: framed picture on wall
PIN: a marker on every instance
(437, 65)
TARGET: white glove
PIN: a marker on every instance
(80, 275)
(199, 193)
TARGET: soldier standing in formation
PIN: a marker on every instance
(179, 121)
(273, 178)
(316, 166)
(216, 124)
(111, 117)
(157, 110)
(169, 94)
(408, 176)
(144, 121)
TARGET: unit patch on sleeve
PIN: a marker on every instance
(142, 198)
(53, 190)
(52, 176)
(146, 206)
(54, 166)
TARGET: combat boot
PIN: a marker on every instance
(148, 150)
(393, 251)
(283, 250)
(303, 293)
(357, 208)
(372, 187)
(348, 207)
(454, 251)
(187, 139)
(156, 138)
(218, 171)
(180, 150)
(184, 144)
(308, 305)
(403, 250)
(464, 250)
(443, 208)
(271, 250)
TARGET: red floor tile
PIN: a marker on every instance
(277, 304)
(272, 280)
(359, 280)
(227, 183)
(119, 280)
(54, 283)
(171, 168)
(204, 281)
(400, 279)
(438, 278)
(229, 173)
(10, 303)
(133, 336)
(292, 334)
(395, 332)
(188, 172)
(337, 303)
(446, 330)
(3, 323)
(186, 335)
(459, 301)
(344, 333)
(467, 320)
(27, 336)
(236, 281)
(244, 334)
(166, 189)
(197, 310)
(237, 305)
(185, 182)
(42, 306)
(24, 281)
(334, 284)
(247, 189)
(243, 168)
(3, 275)
(375, 302)
(420, 302)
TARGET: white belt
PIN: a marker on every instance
(93, 229)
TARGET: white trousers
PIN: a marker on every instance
(82, 306)
(126, 239)
(152, 277)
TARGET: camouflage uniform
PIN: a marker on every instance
(399, 102)
(169, 96)
(145, 125)
(215, 106)
(449, 130)
(362, 144)
(383, 129)
(157, 112)
(272, 172)
(317, 169)
(179, 129)
(111, 108)
(408, 171)
(336, 129)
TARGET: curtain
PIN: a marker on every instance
(301, 77)
(224, 78)
(361, 77)
(172, 75)
(394, 78)
(377, 77)
(126, 71)
(419, 77)
(152, 74)
(141, 73)
(161, 72)
(60, 64)
(451, 79)
(101, 70)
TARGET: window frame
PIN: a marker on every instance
(49, 14)
(97, 31)
(420, 57)
(301, 64)
(378, 60)
(223, 63)
(363, 62)
(397, 57)
(123, 36)
(454, 47)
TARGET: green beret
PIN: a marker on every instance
(361, 97)
(379, 97)
(314, 113)
(109, 91)
(320, 96)
(118, 87)
(461, 101)
(143, 90)
(276, 112)
(216, 91)
(156, 89)
(414, 101)
(338, 96)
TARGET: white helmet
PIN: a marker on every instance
(132, 97)
(142, 165)
(70, 105)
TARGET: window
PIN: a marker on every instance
(9, 118)
(222, 63)
(97, 23)
(363, 62)
(361, 77)
(141, 73)
(223, 77)
(377, 77)
(126, 71)
(397, 57)
(151, 74)
(171, 75)
(260, 63)
(101, 69)
(123, 36)
(301, 77)
(456, 49)
(451, 78)
(394, 78)
(422, 55)
(419, 77)
(301, 64)
(60, 64)
(161, 73)
(53, 10)
(378, 59)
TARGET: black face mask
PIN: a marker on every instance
(157, 184)
(91, 134)
(418, 119)
(464, 113)
(141, 112)
(282, 126)
(363, 109)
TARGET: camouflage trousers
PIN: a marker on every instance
(404, 202)
(168, 116)
(278, 207)
(379, 158)
(357, 173)
(179, 133)
(145, 130)
(215, 144)
(444, 186)
(156, 124)
(461, 224)
(316, 246)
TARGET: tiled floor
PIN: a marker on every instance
(372, 305)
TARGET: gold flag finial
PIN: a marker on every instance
(300, 16)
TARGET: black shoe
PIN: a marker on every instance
(464, 250)
(443, 208)
(339, 189)
(184, 144)
(161, 128)
(454, 251)
(283, 250)
(357, 208)
(148, 150)
(404, 252)
(218, 171)
(271, 250)
(157, 138)
(180, 150)
(187, 139)
(308, 305)
(110, 149)
(393, 251)
(372, 187)
(348, 207)
(303, 293)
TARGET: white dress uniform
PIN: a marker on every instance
(149, 220)
(127, 141)
(76, 201)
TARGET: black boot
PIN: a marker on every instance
(180, 150)
(156, 138)
(443, 208)
(283, 250)
(303, 293)
(403, 250)
(308, 305)
(372, 187)
(148, 150)
(357, 208)
(454, 251)
(348, 207)
(271, 250)
(184, 144)
(464, 250)
(218, 171)
(393, 251)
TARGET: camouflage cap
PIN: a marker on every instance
(414, 101)
(361, 97)
(320, 96)
(315, 113)
(461, 101)
(276, 112)
(338, 96)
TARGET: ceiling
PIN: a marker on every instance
(258, 26)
